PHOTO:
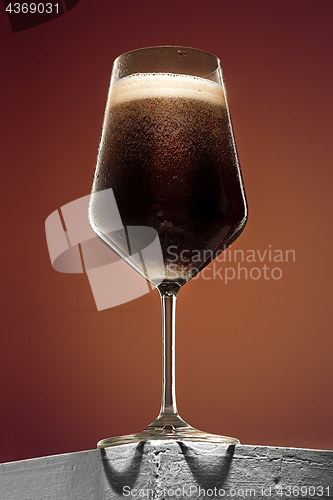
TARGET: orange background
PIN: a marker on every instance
(254, 358)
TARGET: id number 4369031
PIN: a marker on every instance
(33, 8)
(291, 491)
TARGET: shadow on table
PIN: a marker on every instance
(208, 470)
(128, 475)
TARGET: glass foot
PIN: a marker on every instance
(167, 432)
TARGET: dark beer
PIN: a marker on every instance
(167, 151)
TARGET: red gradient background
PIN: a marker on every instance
(254, 358)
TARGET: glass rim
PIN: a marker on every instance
(179, 47)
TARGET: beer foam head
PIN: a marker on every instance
(165, 85)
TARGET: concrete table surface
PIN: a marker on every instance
(170, 469)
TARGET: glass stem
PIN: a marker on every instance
(168, 414)
(168, 406)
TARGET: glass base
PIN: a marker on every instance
(167, 432)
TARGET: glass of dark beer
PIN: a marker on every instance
(167, 193)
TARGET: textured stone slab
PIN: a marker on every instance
(159, 469)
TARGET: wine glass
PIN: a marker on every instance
(167, 193)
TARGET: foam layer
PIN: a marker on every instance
(152, 85)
